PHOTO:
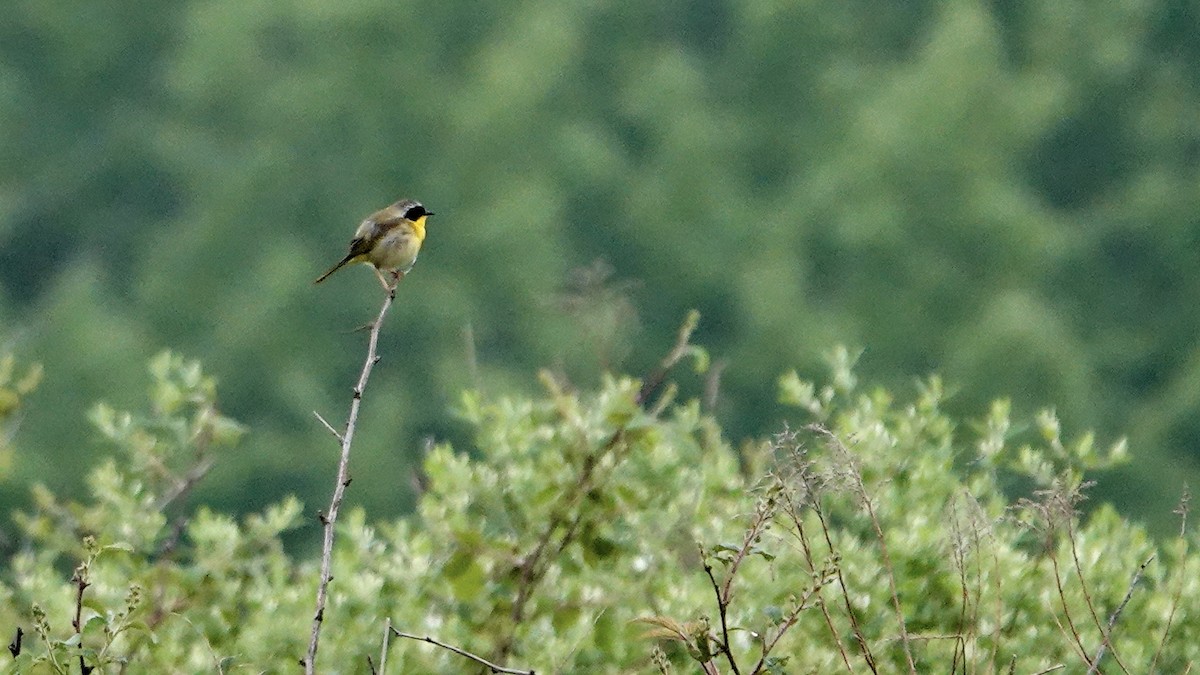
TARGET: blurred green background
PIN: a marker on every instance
(1004, 192)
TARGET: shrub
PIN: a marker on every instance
(614, 531)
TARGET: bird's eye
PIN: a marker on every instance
(415, 212)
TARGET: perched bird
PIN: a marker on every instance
(389, 240)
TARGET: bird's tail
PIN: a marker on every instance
(342, 263)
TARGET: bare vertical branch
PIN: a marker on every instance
(81, 583)
(383, 651)
(722, 606)
(329, 518)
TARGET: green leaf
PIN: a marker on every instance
(774, 614)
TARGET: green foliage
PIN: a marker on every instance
(566, 541)
(1002, 192)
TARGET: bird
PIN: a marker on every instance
(388, 239)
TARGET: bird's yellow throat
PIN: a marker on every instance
(419, 228)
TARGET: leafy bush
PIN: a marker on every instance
(614, 531)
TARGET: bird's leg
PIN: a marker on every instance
(382, 281)
(397, 277)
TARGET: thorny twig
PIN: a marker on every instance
(329, 518)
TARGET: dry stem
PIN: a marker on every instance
(329, 518)
(495, 668)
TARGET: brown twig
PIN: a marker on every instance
(329, 518)
(712, 384)
(841, 579)
(819, 582)
(1062, 599)
(722, 606)
(495, 668)
(958, 553)
(1112, 619)
(81, 584)
(184, 485)
(533, 566)
(1087, 597)
(681, 348)
(759, 522)
(793, 511)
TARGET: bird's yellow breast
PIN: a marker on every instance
(397, 249)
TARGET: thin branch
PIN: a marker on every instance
(791, 619)
(677, 352)
(328, 426)
(329, 518)
(1087, 597)
(793, 512)
(1062, 599)
(841, 579)
(1112, 619)
(763, 512)
(383, 652)
(81, 584)
(495, 668)
(722, 605)
(533, 566)
(861, 489)
(1051, 669)
(959, 554)
(712, 384)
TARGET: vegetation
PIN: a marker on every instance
(616, 530)
(1003, 193)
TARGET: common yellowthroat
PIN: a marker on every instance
(388, 239)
